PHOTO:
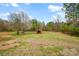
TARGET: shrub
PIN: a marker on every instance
(74, 30)
(70, 29)
(64, 28)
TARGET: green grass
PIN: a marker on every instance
(47, 43)
(47, 50)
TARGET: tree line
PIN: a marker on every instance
(20, 22)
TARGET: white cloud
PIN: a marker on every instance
(61, 13)
(4, 15)
(5, 4)
(54, 8)
(61, 16)
(7, 13)
(27, 3)
(55, 17)
(14, 4)
(30, 17)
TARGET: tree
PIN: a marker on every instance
(43, 26)
(57, 24)
(4, 25)
(34, 24)
(49, 26)
(37, 26)
(19, 21)
(71, 12)
(1, 25)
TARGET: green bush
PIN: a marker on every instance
(70, 29)
(74, 30)
(64, 28)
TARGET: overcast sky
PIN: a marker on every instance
(41, 11)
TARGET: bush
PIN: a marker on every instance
(70, 29)
(74, 30)
(65, 29)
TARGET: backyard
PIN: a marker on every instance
(45, 44)
(39, 29)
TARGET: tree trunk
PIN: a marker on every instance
(23, 32)
(18, 33)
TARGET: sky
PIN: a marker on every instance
(41, 11)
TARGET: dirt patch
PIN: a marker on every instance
(69, 49)
(8, 44)
(69, 52)
(37, 42)
(5, 33)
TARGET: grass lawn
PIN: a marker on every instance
(45, 44)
